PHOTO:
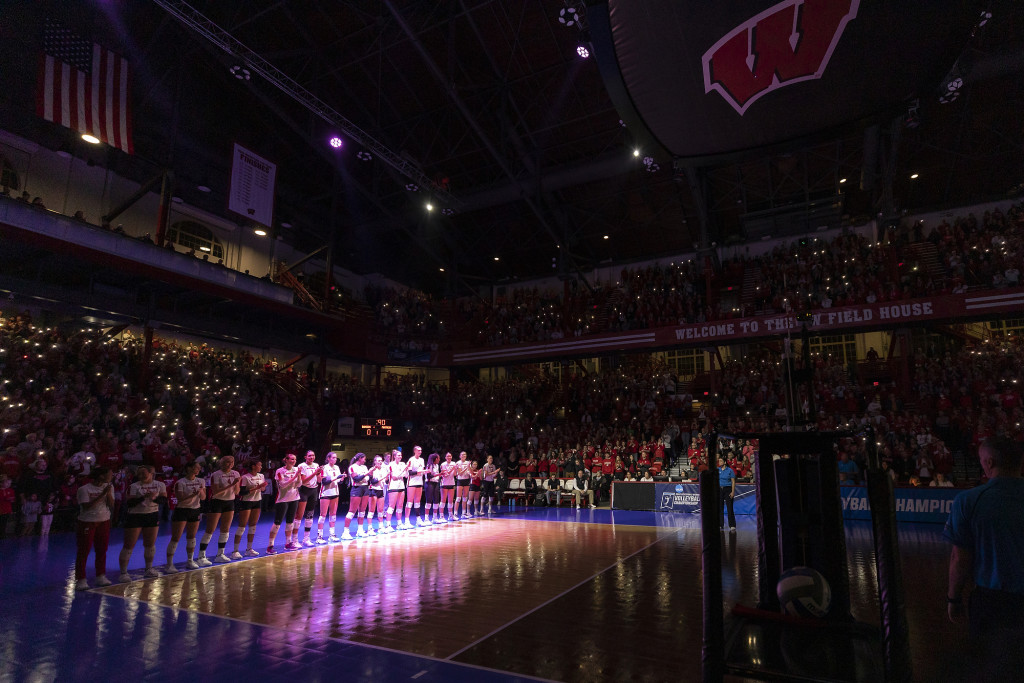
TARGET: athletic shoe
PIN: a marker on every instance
(203, 561)
(593, 507)
(170, 568)
(333, 539)
(251, 553)
(125, 578)
(236, 555)
(732, 528)
(405, 526)
(307, 542)
(82, 585)
(221, 558)
(372, 532)
(270, 550)
(102, 581)
(320, 540)
(465, 516)
(346, 535)
(151, 573)
(291, 546)
(360, 533)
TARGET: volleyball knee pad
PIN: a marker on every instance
(408, 506)
(362, 515)
(321, 519)
(391, 511)
(223, 537)
(458, 500)
(333, 519)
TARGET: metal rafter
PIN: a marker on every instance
(191, 18)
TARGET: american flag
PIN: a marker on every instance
(84, 87)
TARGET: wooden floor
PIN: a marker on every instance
(559, 600)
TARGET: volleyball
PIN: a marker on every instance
(804, 592)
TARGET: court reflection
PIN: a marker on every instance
(430, 592)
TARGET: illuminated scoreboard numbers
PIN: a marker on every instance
(375, 427)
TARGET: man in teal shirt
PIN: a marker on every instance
(727, 480)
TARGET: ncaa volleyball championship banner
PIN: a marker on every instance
(912, 505)
(686, 498)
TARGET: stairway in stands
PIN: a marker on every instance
(748, 295)
(927, 257)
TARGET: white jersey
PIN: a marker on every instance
(308, 475)
(221, 478)
(98, 512)
(377, 477)
(253, 482)
(183, 488)
(397, 470)
(490, 470)
(332, 477)
(416, 467)
(287, 484)
(357, 473)
(140, 490)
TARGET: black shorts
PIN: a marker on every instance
(331, 497)
(462, 482)
(358, 491)
(474, 488)
(488, 488)
(142, 521)
(189, 515)
(309, 494)
(217, 506)
(375, 493)
(285, 512)
(415, 486)
(247, 505)
(432, 493)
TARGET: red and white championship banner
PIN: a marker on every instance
(85, 87)
(252, 186)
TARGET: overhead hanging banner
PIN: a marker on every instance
(253, 180)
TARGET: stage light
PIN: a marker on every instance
(91, 139)
(261, 232)
(842, 180)
(636, 152)
(240, 72)
(913, 176)
(203, 188)
(412, 187)
(582, 51)
(497, 258)
(568, 16)
(447, 211)
(286, 225)
(364, 156)
(430, 207)
(606, 236)
(335, 142)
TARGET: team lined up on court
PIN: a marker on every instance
(389, 488)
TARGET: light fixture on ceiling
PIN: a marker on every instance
(363, 155)
(335, 142)
(203, 188)
(204, 249)
(412, 187)
(446, 211)
(842, 180)
(286, 225)
(177, 200)
(568, 16)
(441, 269)
(913, 176)
(497, 258)
(261, 232)
(636, 152)
(582, 51)
(430, 207)
(651, 165)
(91, 139)
(606, 236)
(240, 72)
(951, 91)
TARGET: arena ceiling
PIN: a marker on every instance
(490, 100)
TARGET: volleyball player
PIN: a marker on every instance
(93, 528)
(396, 489)
(357, 500)
(462, 485)
(490, 471)
(329, 492)
(378, 476)
(475, 478)
(190, 491)
(432, 491)
(414, 492)
(144, 498)
(224, 484)
(286, 480)
(447, 470)
(309, 492)
(247, 507)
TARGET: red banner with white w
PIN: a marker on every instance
(84, 86)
